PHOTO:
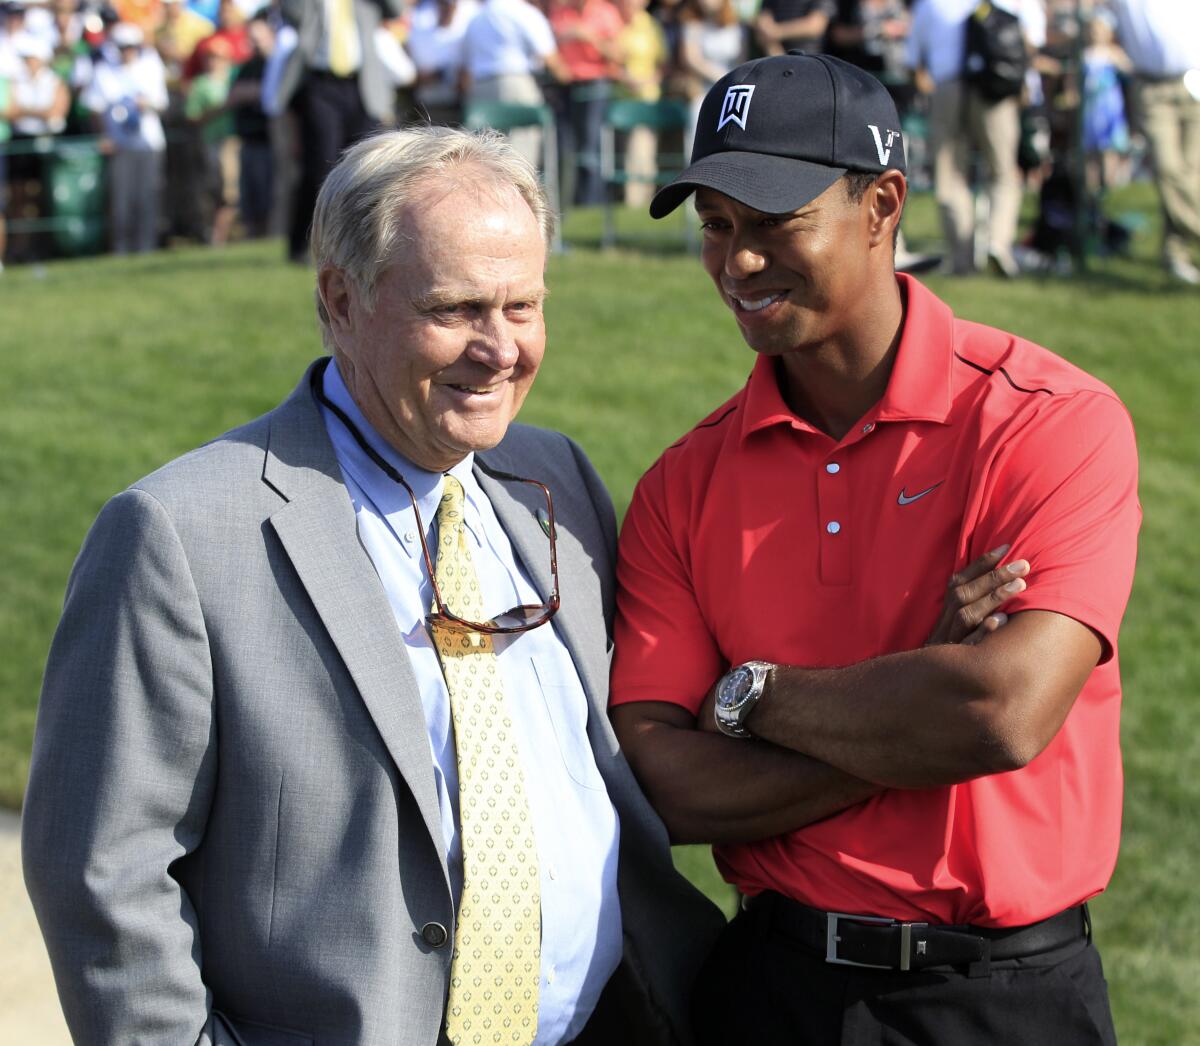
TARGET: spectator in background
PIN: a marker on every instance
(389, 44)
(72, 60)
(12, 25)
(793, 25)
(873, 35)
(283, 125)
(586, 31)
(5, 135)
(507, 44)
(145, 14)
(176, 37)
(1162, 39)
(231, 37)
(642, 51)
(961, 120)
(40, 98)
(338, 87)
(711, 42)
(207, 110)
(256, 169)
(1106, 139)
(127, 93)
(435, 42)
(38, 106)
(178, 32)
(37, 19)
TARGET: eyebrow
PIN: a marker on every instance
(439, 299)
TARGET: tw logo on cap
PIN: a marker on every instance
(883, 149)
(736, 106)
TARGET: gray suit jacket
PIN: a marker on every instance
(374, 84)
(231, 830)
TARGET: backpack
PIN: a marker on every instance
(995, 54)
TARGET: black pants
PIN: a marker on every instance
(330, 117)
(761, 988)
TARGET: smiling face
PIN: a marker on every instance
(443, 361)
(792, 280)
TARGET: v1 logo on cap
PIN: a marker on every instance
(884, 151)
(736, 105)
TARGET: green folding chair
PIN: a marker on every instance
(508, 116)
(667, 116)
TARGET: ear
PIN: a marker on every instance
(886, 203)
(336, 298)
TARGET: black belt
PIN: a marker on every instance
(863, 940)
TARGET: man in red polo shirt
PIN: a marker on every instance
(780, 569)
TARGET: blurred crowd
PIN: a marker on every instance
(216, 119)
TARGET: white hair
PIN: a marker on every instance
(357, 217)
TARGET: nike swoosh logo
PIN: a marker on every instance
(905, 499)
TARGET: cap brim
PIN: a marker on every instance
(772, 184)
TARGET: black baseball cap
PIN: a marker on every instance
(776, 132)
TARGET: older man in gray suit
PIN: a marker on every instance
(300, 775)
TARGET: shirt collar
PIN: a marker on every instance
(919, 388)
(388, 496)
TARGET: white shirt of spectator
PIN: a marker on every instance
(1161, 37)
(395, 59)
(937, 39)
(438, 48)
(115, 84)
(37, 92)
(507, 38)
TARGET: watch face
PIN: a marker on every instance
(737, 686)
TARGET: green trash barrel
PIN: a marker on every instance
(75, 180)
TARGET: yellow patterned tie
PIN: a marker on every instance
(496, 966)
(342, 32)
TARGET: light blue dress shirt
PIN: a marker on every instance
(574, 821)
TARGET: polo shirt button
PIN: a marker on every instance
(410, 536)
(434, 935)
(833, 468)
(833, 527)
(869, 427)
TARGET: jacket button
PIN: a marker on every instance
(434, 934)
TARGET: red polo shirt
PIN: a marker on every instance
(758, 536)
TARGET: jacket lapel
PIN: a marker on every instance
(318, 531)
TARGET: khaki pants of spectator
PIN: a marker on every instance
(1170, 120)
(641, 165)
(960, 121)
(520, 89)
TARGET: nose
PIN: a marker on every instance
(495, 344)
(743, 258)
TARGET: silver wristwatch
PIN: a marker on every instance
(737, 694)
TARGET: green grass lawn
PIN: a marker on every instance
(113, 366)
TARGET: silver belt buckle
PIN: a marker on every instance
(832, 939)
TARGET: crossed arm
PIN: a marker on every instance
(977, 699)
